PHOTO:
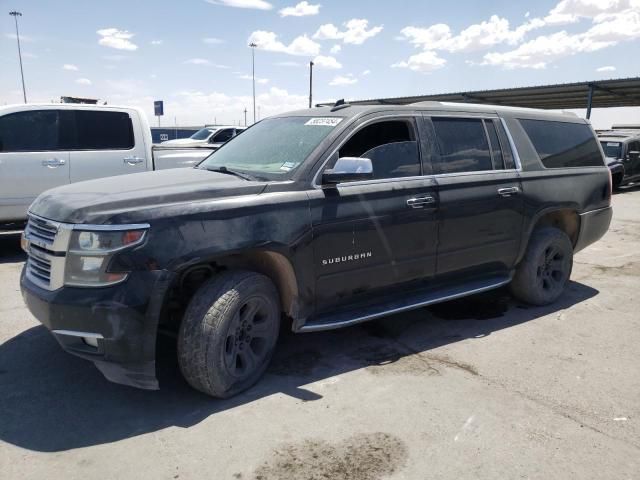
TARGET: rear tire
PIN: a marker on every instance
(229, 332)
(545, 269)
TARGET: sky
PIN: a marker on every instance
(194, 54)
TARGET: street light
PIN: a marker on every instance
(253, 75)
(15, 14)
(311, 84)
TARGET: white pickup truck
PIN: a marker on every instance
(48, 145)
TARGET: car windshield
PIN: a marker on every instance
(612, 149)
(202, 134)
(273, 147)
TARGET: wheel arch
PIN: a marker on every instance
(565, 219)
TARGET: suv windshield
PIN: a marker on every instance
(202, 134)
(274, 146)
(612, 149)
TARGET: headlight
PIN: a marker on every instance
(90, 253)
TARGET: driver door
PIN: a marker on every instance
(372, 236)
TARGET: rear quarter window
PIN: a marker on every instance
(562, 144)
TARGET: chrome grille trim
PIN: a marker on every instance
(48, 243)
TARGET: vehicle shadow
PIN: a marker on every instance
(10, 251)
(51, 401)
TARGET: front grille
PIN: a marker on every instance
(42, 230)
(40, 268)
(47, 246)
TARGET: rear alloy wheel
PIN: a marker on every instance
(545, 269)
(229, 332)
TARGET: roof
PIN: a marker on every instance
(624, 92)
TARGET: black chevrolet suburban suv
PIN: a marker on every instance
(316, 219)
(621, 146)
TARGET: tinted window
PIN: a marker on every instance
(496, 149)
(561, 144)
(31, 131)
(391, 147)
(612, 149)
(222, 136)
(463, 145)
(202, 134)
(103, 131)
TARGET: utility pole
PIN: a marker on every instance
(311, 84)
(245, 116)
(253, 76)
(15, 14)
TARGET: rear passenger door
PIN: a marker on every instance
(105, 145)
(34, 157)
(481, 202)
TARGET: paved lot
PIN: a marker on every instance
(480, 388)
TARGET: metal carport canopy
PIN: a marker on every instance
(623, 92)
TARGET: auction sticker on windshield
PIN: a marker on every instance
(324, 122)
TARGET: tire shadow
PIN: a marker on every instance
(51, 401)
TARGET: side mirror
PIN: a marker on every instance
(348, 169)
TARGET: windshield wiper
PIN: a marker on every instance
(228, 171)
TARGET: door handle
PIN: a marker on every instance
(133, 160)
(508, 191)
(53, 162)
(420, 202)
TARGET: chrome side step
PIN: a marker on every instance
(330, 322)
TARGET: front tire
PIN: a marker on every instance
(229, 332)
(545, 269)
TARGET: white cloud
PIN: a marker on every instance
(425, 62)
(366, 72)
(302, 9)
(475, 37)
(204, 62)
(156, 42)
(83, 81)
(356, 33)
(197, 107)
(268, 41)
(261, 81)
(337, 48)
(607, 30)
(68, 66)
(114, 38)
(330, 63)
(608, 68)
(571, 11)
(23, 38)
(342, 80)
(255, 4)
(212, 40)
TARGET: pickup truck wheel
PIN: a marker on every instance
(545, 269)
(229, 332)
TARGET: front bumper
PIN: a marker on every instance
(123, 318)
(593, 225)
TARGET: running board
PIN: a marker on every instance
(412, 302)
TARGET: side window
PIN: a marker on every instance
(390, 145)
(32, 131)
(634, 150)
(496, 149)
(463, 145)
(223, 136)
(103, 130)
(562, 144)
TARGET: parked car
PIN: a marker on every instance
(324, 217)
(214, 136)
(622, 153)
(44, 146)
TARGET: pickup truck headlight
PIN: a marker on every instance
(90, 253)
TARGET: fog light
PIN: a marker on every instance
(91, 341)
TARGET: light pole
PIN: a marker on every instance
(310, 84)
(245, 116)
(15, 14)
(253, 76)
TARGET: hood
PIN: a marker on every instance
(99, 201)
(185, 142)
